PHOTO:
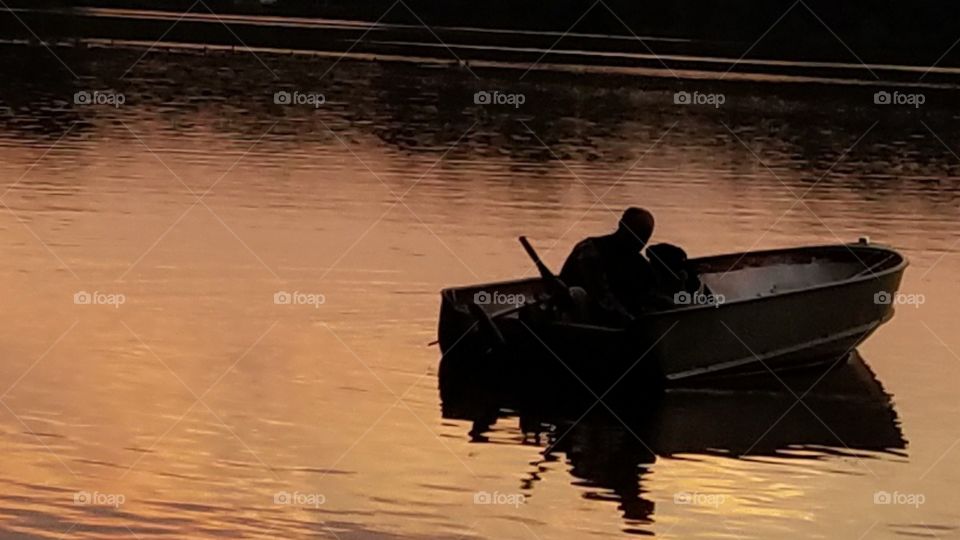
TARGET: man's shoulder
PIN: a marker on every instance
(587, 246)
(583, 252)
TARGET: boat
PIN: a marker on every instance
(769, 310)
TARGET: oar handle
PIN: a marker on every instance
(555, 284)
(544, 271)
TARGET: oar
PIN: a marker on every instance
(557, 286)
(487, 323)
(544, 270)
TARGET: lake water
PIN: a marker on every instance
(175, 397)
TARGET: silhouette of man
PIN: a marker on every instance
(612, 270)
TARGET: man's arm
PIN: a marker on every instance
(652, 296)
(596, 282)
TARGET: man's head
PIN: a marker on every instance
(636, 227)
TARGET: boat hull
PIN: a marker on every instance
(776, 331)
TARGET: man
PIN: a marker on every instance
(612, 270)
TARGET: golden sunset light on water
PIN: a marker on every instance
(262, 276)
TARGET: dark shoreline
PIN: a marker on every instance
(900, 32)
(595, 46)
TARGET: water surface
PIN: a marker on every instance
(210, 410)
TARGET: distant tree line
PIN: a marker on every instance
(879, 30)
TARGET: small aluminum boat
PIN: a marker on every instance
(769, 310)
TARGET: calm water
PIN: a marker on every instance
(199, 407)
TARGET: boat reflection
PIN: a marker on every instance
(610, 445)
